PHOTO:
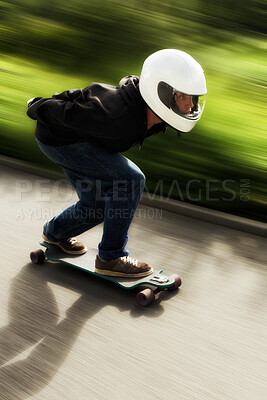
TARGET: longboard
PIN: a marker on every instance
(154, 283)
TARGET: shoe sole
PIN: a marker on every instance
(123, 274)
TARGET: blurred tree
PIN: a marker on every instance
(238, 15)
(96, 32)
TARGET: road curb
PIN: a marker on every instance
(206, 214)
(175, 206)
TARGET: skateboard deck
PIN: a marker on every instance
(154, 283)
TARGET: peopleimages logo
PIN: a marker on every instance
(203, 190)
(48, 198)
(195, 190)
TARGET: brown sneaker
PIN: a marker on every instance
(123, 266)
(69, 246)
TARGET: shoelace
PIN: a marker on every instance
(72, 240)
(130, 260)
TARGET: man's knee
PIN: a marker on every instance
(138, 183)
(138, 178)
(142, 180)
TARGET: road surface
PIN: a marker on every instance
(66, 335)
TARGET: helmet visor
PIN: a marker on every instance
(186, 105)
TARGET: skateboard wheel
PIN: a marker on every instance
(177, 282)
(37, 256)
(145, 297)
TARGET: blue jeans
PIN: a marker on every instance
(109, 187)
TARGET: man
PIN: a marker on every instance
(84, 130)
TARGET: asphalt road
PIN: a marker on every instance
(66, 335)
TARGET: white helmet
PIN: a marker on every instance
(166, 74)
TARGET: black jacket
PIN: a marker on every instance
(105, 115)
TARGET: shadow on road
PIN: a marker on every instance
(34, 322)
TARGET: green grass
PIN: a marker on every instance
(221, 164)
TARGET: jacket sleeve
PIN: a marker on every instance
(70, 109)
